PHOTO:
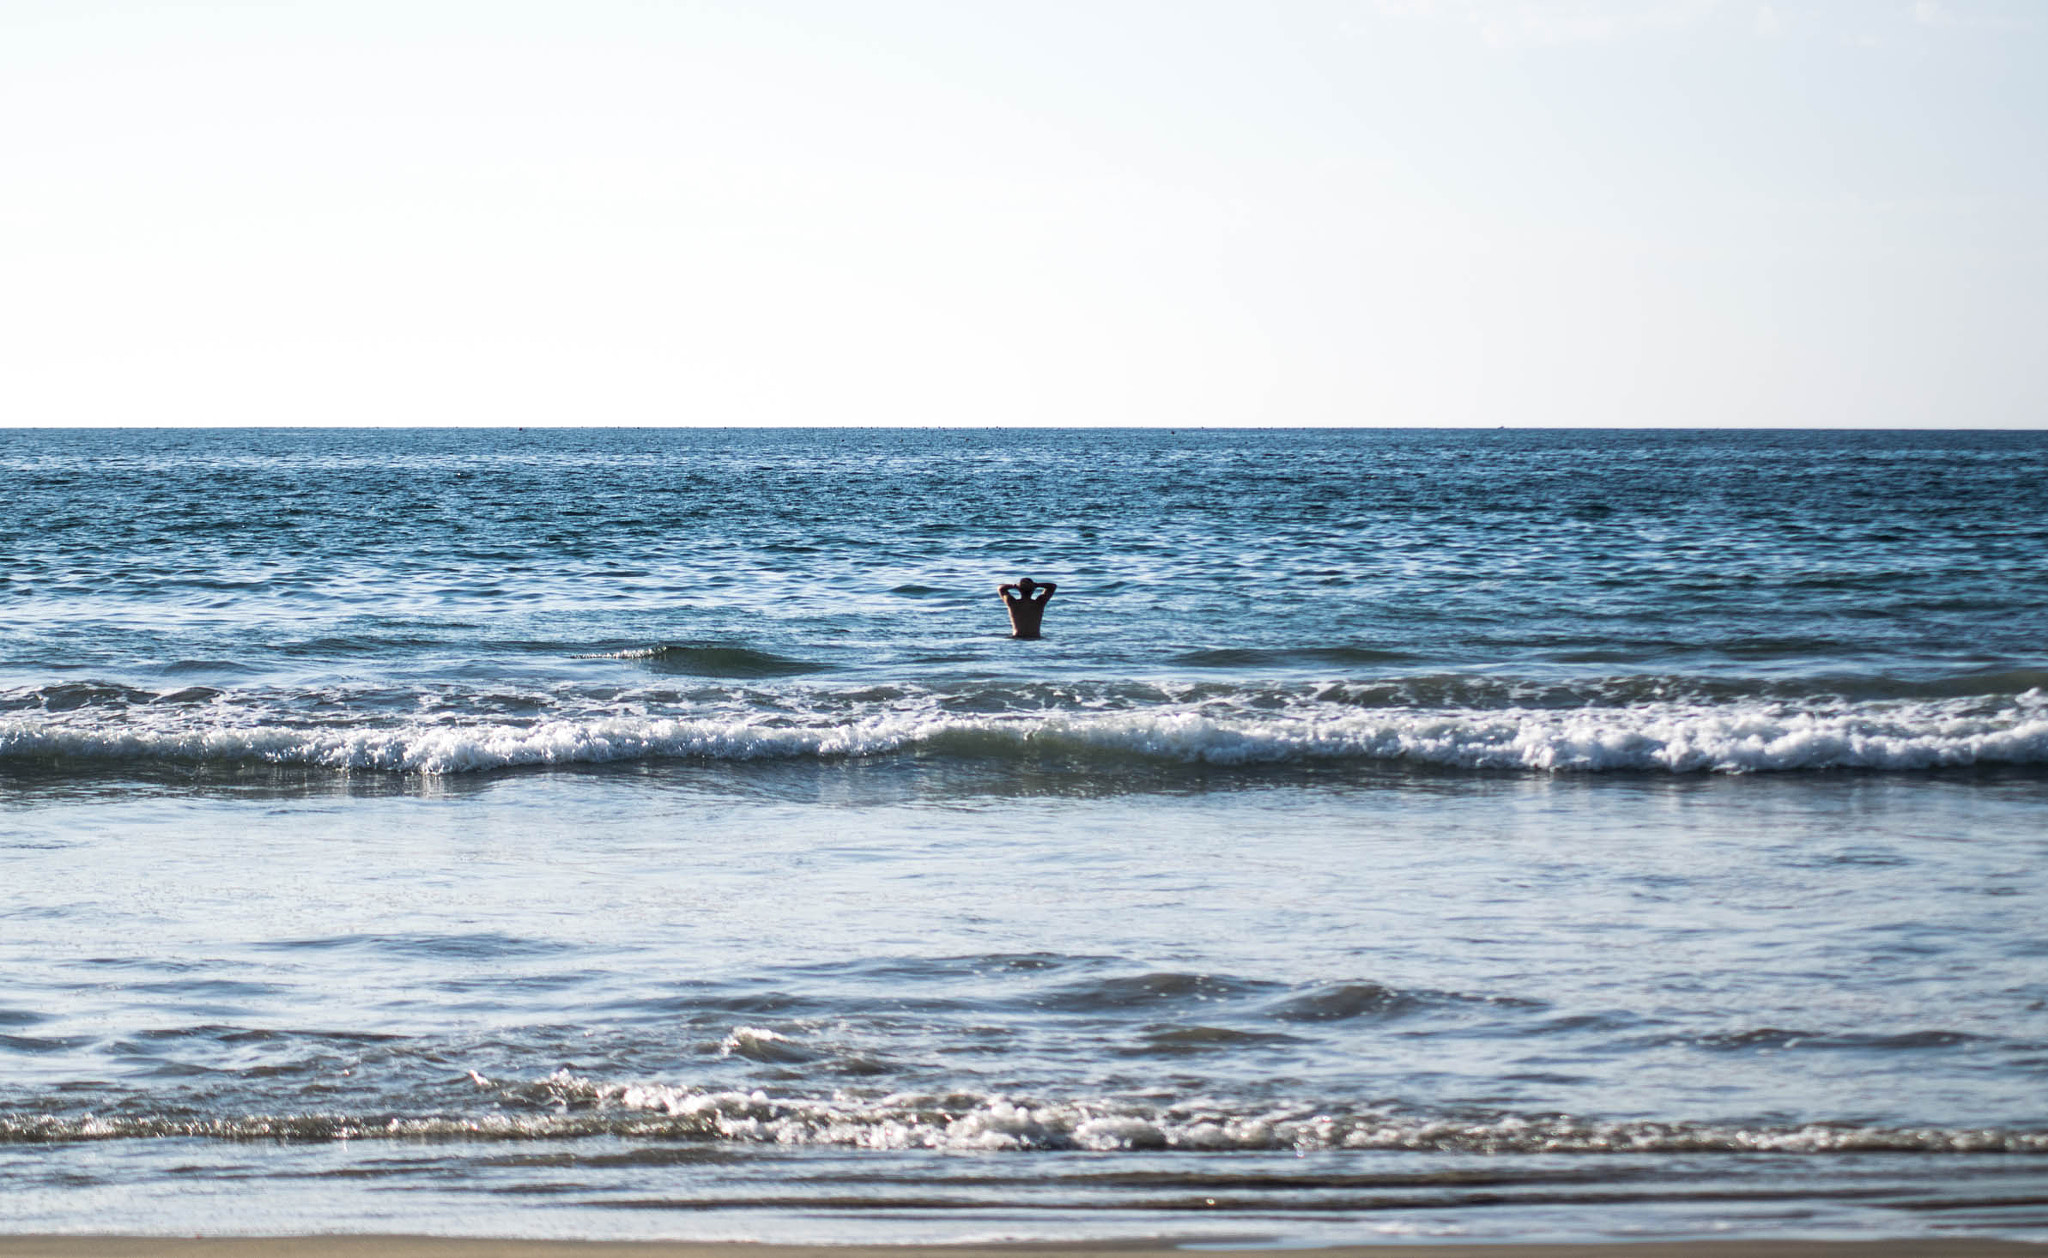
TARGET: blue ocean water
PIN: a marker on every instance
(655, 833)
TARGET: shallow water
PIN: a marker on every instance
(652, 834)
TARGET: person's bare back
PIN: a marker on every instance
(1025, 600)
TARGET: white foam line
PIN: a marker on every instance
(1678, 738)
(578, 1107)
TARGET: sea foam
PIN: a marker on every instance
(1666, 737)
(566, 1106)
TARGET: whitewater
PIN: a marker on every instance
(1532, 835)
(1654, 736)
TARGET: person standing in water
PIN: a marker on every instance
(1026, 602)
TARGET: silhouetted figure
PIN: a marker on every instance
(1026, 602)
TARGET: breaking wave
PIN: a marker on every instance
(572, 1107)
(1675, 737)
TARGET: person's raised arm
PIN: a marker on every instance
(1048, 587)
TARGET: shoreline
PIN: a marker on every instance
(404, 1246)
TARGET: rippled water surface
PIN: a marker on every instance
(1509, 834)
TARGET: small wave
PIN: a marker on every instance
(211, 668)
(39, 1044)
(190, 694)
(1482, 692)
(1182, 1039)
(1139, 991)
(564, 1106)
(763, 1045)
(66, 696)
(482, 946)
(1255, 657)
(1344, 1001)
(719, 661)
(1668, 737)
(1993, 683)
(1775, 1038)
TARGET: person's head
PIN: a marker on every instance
(1027, 585)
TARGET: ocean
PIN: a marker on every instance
(654, 833)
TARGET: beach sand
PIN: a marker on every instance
(465, 1247)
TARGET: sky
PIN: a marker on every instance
(1615, 213)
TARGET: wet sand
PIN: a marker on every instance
(463, 1247)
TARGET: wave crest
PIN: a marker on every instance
(567, 1107)
(1671, 737)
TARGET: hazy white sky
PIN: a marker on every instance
(1437, 212)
